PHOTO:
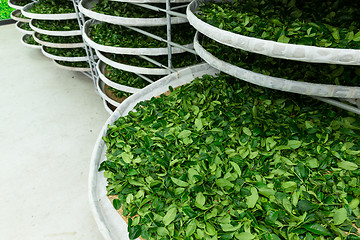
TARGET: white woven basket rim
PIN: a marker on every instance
(101, 90)
(109, 222)
(57, 45)
(13, 5)
(305, 88)
(77, 69)
(54, 33)
(271, 48)
(17, 25)
(84, 7)
(29, 45)
(107, 108)
(14, 17)
(100, 66)
(129, 51)
(130, 68)
(152, 1)
(60, 16)
(59, 58)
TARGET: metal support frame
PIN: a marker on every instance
(156, 63)
(169, 13)
(168, 31)
(167, 10)
(89, 51)
(144, 77)
(161, 39)
(181, 6)
(339, 104)
(355, 107)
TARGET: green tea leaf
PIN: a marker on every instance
(317, 229)
(198, 124)
(179, 182)
(184, 134)
(134, 232)
(189, 211)
(247, 131)
(162, 231)
(221, 182)
(117, 204)
(127, 157)
(245, 236)
(210, 229)
(340, 215)
(229, 227)
(252, 199)
(336, 34)
(357, 37)
(191, 227)
(200, 199)
(287, 205)
(305, 205)
(170, 216)
(271, 217)
(294, 144)
(283, 39)
(348, 165)
(289, 186)
(236, 168)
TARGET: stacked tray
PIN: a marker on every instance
(58, 33)
(110, 223)
(253, 50)
(23, 23)
(124, 52)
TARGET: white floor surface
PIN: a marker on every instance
(50, 119)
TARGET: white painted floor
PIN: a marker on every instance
(50, 119)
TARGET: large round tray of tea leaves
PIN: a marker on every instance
(68, 66)
(19, 27)
(52, 32)
(130, 68)
(24, 42)
(59, 16)
(271, 48)
(85, 7)
(126, 50)
(62, 58)
(110, 223)
(306, 88)
(15, 15)
(56, 45)
(16, 5)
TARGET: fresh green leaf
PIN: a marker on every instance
(340, 215)
(170, 216)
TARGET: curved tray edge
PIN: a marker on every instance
(14, 17)
(128, 51)
(61, 16)
(55, 33)
(77, 69)
(130, 68)
(305, 88)
(100, 66)
(58, 45)
(67, 59)
(152, 1)
(17, 25)
(110, 224)
(29, 45)
(13, 5)
(101, 90)
(271, 48)
(124, 21)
